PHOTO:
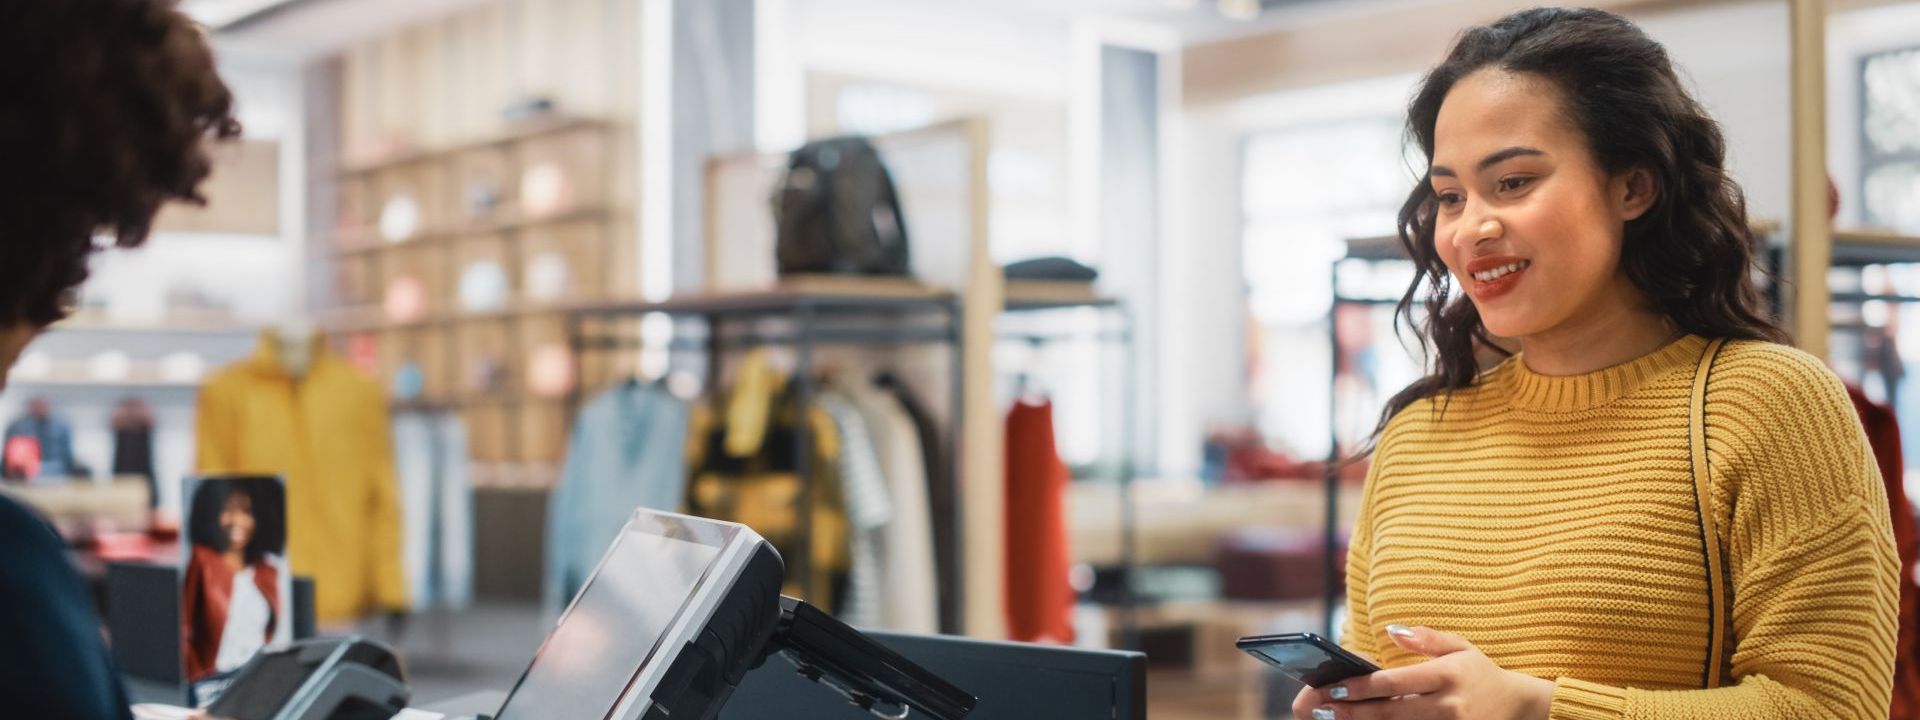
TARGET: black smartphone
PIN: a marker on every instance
(1307, 657)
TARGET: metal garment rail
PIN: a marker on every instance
(1127, 471)
(806, 312)
(1373, 250)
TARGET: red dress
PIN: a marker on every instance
(1883, 434)
(206, 593)
(1040, 595)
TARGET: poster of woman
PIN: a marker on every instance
(236, 587)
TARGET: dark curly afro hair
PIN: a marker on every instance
(106, 107)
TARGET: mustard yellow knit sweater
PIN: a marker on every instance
(1550, 521)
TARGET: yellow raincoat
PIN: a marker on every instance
(329, 436)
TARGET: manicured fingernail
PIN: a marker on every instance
(1339, 692)
(1325, 713)
(1400, 631)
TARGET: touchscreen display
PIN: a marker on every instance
(269, 686)
(615, 626)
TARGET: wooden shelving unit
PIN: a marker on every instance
(534, 203)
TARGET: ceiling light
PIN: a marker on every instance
(1242, 10)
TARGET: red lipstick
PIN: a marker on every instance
(1492, 277)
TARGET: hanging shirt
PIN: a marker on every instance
(744, 469)
(436, 494)
(1040, 596)
(1883, 436)
(133, 447)
(327, 434)
(626, 452)
(869, 512)
(942, 493)
(56, 445)
(910, 586)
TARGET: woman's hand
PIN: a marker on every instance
(1458, 683)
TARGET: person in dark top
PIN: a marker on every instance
(53, 663)
(106, 110)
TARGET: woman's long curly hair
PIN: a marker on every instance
(105, 115)
(1691, 254)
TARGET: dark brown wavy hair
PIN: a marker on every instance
(1691, 254)
(105, 110)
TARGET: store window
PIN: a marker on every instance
(1305, 191)
(1890, 139)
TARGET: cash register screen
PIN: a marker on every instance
(614, 631)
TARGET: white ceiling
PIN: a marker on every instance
(301, 29)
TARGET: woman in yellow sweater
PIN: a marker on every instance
(1552, 537)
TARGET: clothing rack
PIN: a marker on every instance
(817, 319)
(1126, 471)
(1367, 250)
(1858, 249)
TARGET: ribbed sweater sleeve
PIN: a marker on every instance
(1809, 554)
(1355, 633)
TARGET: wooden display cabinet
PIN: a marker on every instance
(563, 262)
(486, 354)
(472, 208)
(489, 430)
(420, 262)
(562, 172)
(474, 251)
(485, 187)
(543, 432)
(357, 279)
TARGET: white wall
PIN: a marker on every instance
(1735, 59)
(927, 45)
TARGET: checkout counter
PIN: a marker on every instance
(683, 619)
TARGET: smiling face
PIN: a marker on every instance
(236, 520)
(1529, 224)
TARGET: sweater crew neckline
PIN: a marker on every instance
(1530, 390)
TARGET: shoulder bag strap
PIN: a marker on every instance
(1703, 506)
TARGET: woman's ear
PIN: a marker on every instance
(1634, 192)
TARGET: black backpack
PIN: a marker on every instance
(837, 213)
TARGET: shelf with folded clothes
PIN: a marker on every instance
(793, 296)
(367, 240)
(529, 130)
(117, 384)
(1854, 248)
(367, 317)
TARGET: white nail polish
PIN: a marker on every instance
(1323, 714)
(1339, 692)
(1400, 631)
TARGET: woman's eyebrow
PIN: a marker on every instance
(1491, 160)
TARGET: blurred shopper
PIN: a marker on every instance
(106, 108)
(1656, 495)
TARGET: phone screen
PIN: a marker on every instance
(1309, 662)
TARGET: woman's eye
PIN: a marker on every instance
(1450, 199)
(1511, 184)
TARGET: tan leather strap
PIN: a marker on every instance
(1703, 505)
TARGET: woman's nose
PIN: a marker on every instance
(1479, 231)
